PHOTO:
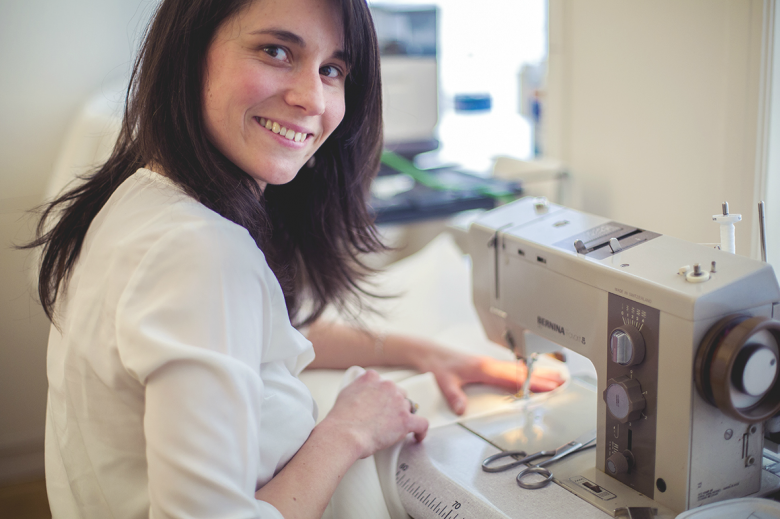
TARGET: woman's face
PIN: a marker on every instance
(274, 85)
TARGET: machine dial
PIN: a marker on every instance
(620, 462)
(626, 346)
(624, 399)
(736, 367)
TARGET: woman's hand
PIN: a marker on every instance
(338, 347)
(369, 414)
(375, 413)
(453, 370)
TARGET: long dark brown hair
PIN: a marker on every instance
(312, 230)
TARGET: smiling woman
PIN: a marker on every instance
(274, 86)
(173, 271)
(174, 274)
(206, 75)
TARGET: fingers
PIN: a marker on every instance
(419, 426)
(543, 380)
(377, 412)
(542, 385)
(509, 375)
(452, 388)
(369, 375)
(412, 422)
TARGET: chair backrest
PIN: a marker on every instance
(88, 143)
(90, 138)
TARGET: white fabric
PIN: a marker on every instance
(359, 492)
(173, 388)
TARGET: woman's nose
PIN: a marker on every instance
(306, 91)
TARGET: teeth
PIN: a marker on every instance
(287, 133)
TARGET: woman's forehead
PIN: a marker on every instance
(297, 17)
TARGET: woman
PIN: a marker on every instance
(236, 190)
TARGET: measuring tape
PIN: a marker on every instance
(426, 493)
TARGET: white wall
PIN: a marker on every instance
(53, 55)
(772, 187)
(656, 106)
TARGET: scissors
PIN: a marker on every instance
(585, 441)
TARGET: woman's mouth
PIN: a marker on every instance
(277, 128)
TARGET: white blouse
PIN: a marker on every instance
(173, 388)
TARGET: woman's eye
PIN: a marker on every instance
(330, 71)
(276, 52)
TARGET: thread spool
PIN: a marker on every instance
(727, 235)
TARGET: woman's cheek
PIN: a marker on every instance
(336, 113)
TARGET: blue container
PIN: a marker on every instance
(473, 102)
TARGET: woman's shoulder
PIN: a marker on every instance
(150, 207)
(150, 223)
(158, 194)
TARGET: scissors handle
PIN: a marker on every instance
(534, 470)
(506, 466)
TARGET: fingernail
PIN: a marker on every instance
(460, 406)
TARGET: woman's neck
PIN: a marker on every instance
(153, 166)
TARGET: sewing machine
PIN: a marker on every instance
(685, 343)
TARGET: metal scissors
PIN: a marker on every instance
(585, 441)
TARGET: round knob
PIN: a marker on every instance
(755, 370)
(736, 367)
(627, 346)
(620, 462)
(624, 399)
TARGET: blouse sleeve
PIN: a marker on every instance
(190, 329)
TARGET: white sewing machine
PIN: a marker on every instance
(685, 342)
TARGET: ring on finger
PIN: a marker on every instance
(413, 406)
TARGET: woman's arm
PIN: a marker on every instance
(370, 414)
(202, 443)
(338, 346)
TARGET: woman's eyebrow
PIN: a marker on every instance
(283, 35)
(293, 38)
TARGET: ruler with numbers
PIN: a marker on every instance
(435, 503)
(425, 493)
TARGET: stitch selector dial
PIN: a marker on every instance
(626, 346)
(624, 399)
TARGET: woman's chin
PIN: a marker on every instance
(274, 178)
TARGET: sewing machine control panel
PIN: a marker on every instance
(631, 393)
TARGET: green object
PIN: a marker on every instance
(427, 179)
